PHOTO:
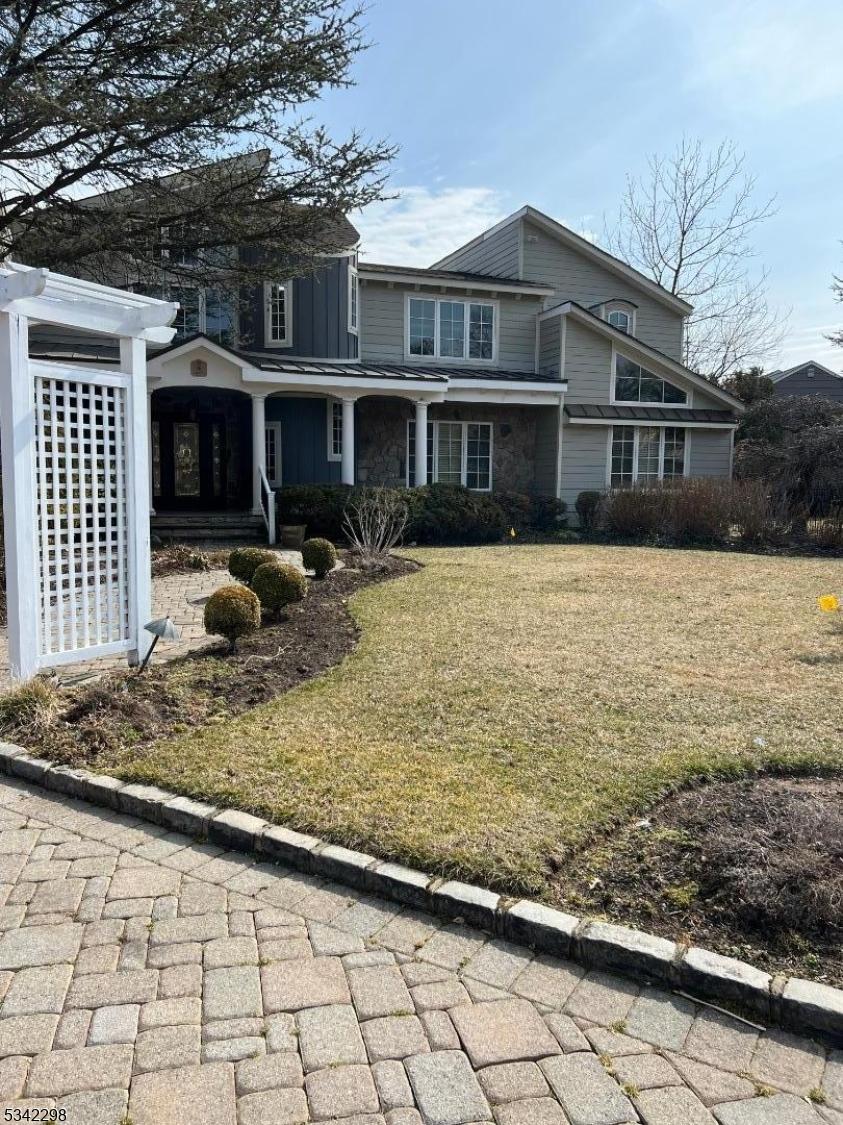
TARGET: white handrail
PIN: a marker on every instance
(267, 507)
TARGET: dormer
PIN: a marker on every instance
(619, 312)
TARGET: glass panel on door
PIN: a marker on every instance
(186, 450)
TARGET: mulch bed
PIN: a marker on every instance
(125, 710)
(751, 869)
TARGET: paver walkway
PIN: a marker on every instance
(150, 979)
(183, 597)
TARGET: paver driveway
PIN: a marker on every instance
(149, 979)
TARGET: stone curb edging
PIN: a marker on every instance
(800, 1005)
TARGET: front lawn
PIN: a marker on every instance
(507, 704)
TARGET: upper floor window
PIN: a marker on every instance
(620, 319)
(278, 313)
(449, 329)
(209, 312)
(353, 295)
(634, 383)
(620, 314)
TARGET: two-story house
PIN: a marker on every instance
(528, 360)
(808, 378)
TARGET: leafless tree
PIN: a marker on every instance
(112, 111)
(688, 224)
(374, 521)
(837, 288)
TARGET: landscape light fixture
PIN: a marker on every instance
(164, 627)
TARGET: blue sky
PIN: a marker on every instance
(495, 104)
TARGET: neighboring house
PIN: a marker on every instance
(528, 360)
(809, 378)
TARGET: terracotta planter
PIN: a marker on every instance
(292, 535)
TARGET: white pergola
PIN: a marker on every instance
(75, 460)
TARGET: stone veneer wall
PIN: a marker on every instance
(381, 432)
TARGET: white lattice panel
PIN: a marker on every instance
(82, 506)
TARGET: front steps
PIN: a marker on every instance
(203, 527)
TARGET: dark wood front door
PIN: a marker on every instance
(199, 455)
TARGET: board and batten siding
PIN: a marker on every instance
(498, 254)
(382, 328)
(320, 316)
(577, 278)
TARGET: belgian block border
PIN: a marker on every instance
(800, 1005)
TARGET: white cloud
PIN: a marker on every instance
(423, 224)
(757, 54)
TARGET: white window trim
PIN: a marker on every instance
(332, 404)
(621, 306)
(636, 428)
(634, 402)
(353, 280)
(275, 482)
(287, 341)
(467, 302)
(434, 447)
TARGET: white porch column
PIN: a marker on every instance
(149, 426)
(258, 449)
(421, 442)
(348, 440)
(18, 413)
(133, 363)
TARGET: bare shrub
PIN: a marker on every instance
(697, 510)
(374, 521)
(634, 513)
(774, 857)
(827, 534)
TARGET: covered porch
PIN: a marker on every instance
(226, 434)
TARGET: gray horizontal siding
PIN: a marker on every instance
(547, 443)
(382, 333)
(801, 383)
(550, 346)
(577, 278)
(709, 452)
(584, 453)
(497, 255)
(588, 365)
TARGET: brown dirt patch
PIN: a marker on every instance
(123, 710)
(752, 869)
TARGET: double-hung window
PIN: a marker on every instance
(634, 383)
(457, 453)
(449, 329)
(646, 454)
(334, 430)
(278, 313)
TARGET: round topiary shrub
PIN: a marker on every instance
(277, 584)
(319, 555)
(232, 612)
(244, 561)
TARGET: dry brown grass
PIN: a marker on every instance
(507, 703)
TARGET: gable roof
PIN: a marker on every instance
(582, 246)
(777, 376)
(633, 343)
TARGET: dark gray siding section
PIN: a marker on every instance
(320, 316)
(802, 382)
(547, 449)
(304, 440)
(497, 254)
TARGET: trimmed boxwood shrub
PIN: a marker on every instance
(232, 612)
(244, 561)
(588, 509)
(319, 506)
(449, 513)
(319, 555)
(276, 584)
